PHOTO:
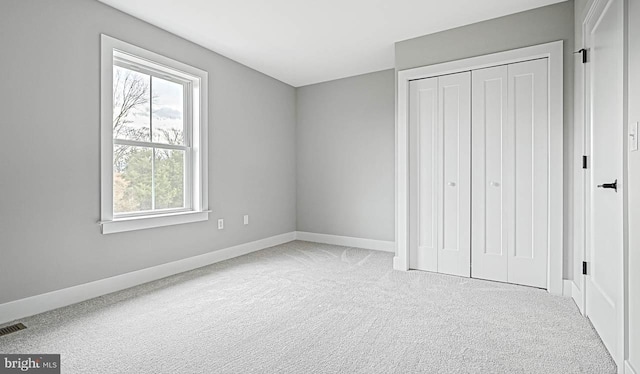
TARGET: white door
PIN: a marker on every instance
(528, 106)
(510, 173)
(440, 185)
(454, 205)
(492, 184)
(423, 171)
(604, 205)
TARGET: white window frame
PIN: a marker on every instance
(116, 52)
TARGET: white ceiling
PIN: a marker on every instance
(301, 42)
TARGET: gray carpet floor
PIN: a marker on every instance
(313, 308)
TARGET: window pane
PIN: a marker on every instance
(167, 111)
(131, 179)
(169, 178)
(131, 104)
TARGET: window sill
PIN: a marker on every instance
(148, 222)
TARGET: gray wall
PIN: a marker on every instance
(49, 150)
(537, 26)
(344, 139)
(345, 157)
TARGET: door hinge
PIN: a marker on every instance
(584, 267)
(584, 162)
(583, 52)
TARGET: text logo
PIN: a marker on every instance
(29, 363)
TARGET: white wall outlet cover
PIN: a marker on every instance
(220, 224)
(633, 137)
(246, 219)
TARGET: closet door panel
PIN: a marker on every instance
(454, 119)
(528, 114)
(423, 148)
(491, 182)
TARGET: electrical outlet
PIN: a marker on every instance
(246, 219)
(633, 137)
(220, 224)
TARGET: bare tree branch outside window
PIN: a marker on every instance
(134, 178)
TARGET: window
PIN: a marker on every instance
(153, 138)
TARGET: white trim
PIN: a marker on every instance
(56, 299)
(567, 287)
(552, 51)
(196, 138)
(396, 263)
(628, 369)
(578, 295)
(147, 222)
(579, 181)
(570, 289)
(347, 241)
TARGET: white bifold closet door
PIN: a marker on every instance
(510, 173)
(440, 133)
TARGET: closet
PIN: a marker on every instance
(478, 173)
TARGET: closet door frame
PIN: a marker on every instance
(553, 52)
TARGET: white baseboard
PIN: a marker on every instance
(396, 263)
(577, 295)
(567, 287)
(628, 369)
(56, 299)
(347, 241)
(570, 289)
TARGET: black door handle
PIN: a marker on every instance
(613, 185)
